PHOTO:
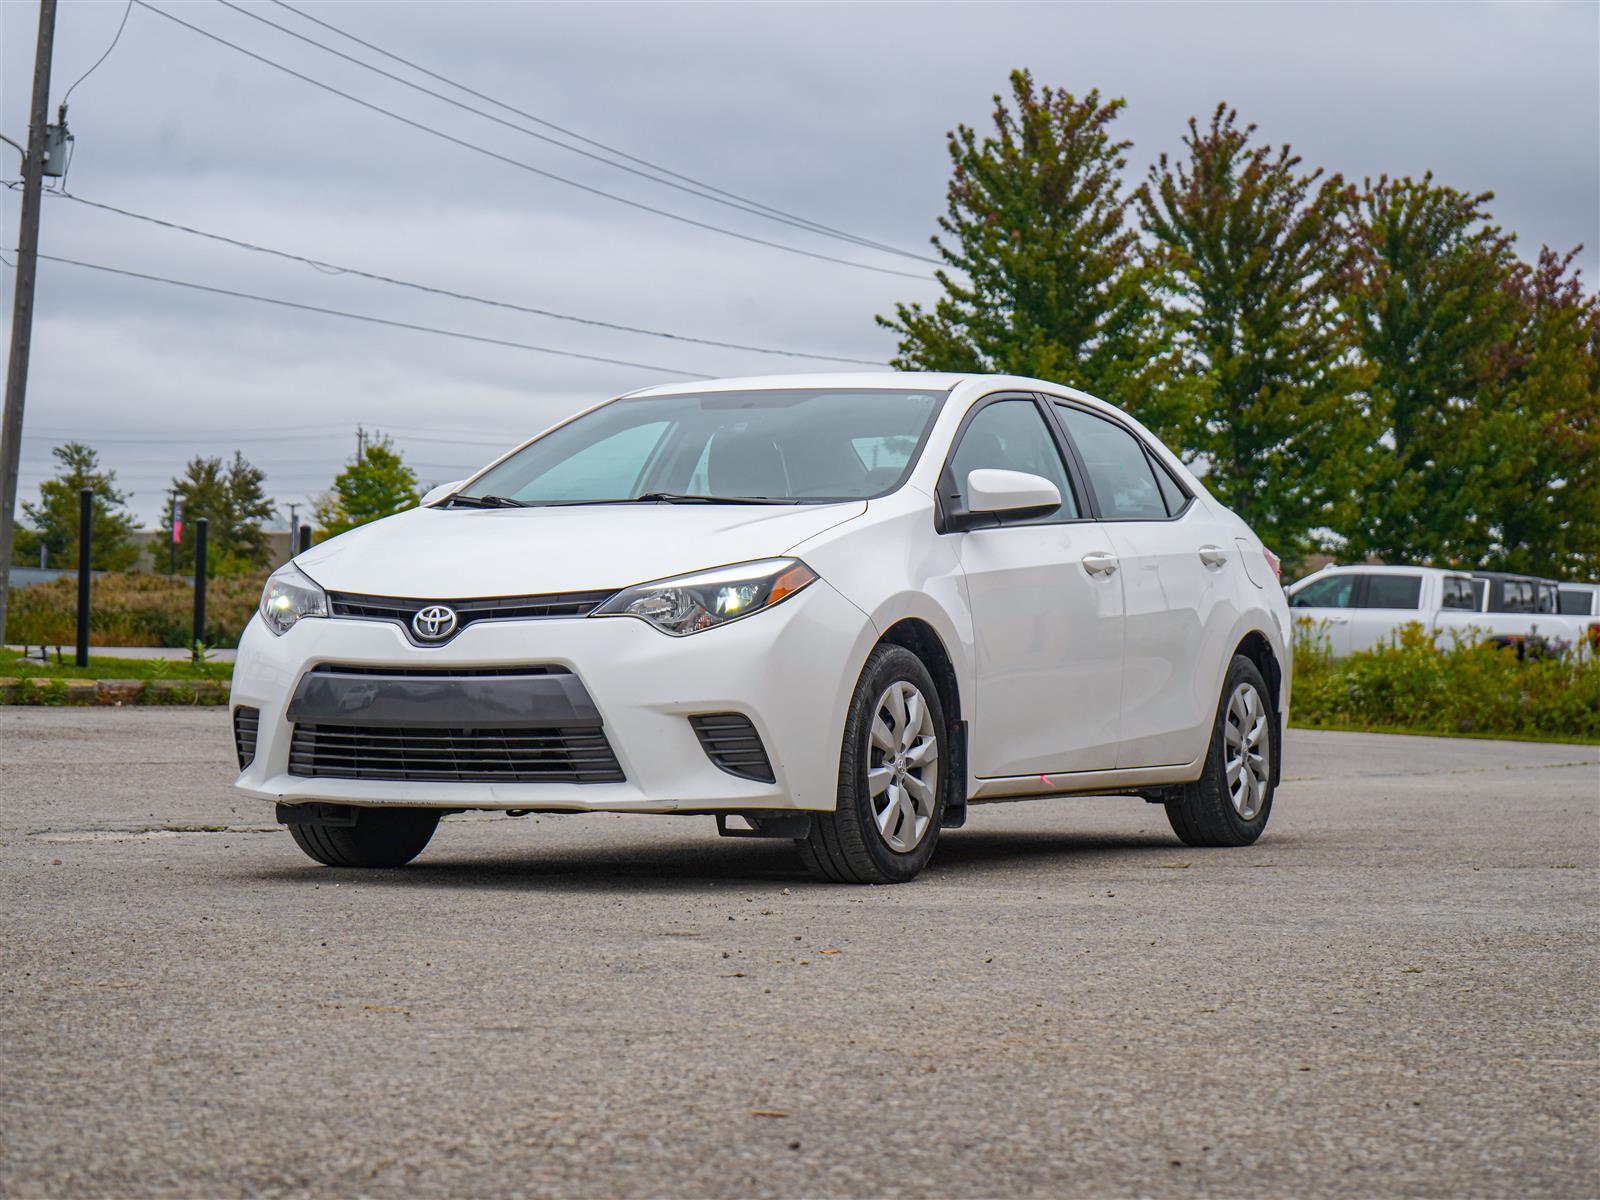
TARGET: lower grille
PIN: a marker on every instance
(246, 721)
(570, 754)
(732, 743)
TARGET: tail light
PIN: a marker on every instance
(1275, 563)
(1594, 636)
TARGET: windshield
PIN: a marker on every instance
(799, 445)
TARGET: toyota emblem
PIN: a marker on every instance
(434, 623)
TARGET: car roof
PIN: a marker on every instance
(940, 381)
(931, 380)
(1386, 569)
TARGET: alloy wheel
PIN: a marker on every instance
(903, 766)
(1246, 731)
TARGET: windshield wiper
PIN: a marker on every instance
(486, 501)
(686, 498)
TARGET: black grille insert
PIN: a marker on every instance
(732, 743)
(550, 755)
(246, 722)
(468, 612)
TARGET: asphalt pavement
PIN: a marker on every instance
(1393, 993)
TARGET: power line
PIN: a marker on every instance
(115, 38)
(734, 203)
(588, 141)
(525, 166)
(371, 320)
(323, 265)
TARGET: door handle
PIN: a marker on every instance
(1213, 556)
(1100, 563)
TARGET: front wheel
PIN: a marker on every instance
(893, 777)
(1230, 802)
(380, 837)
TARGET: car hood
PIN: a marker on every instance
(462, 553)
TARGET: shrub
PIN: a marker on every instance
(1462, 688)
(132, 609)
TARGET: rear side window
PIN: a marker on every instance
(1010, 435)
(1171, 493)
(1546, 602)
(1337, 591)
(1459, 593)
(1123, 479)
(1393, 591)
(1575, 603)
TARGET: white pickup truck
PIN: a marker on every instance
(1361, 607)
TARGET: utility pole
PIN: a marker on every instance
(294, 528)
(361, 443)
(22, 301)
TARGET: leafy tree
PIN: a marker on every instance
(55, 517)
(1044, 276)
(1433, 315)
(1539, 507)
(1250, 259)
(231, 498)
(378, 484)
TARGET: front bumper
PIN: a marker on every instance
(790, 670)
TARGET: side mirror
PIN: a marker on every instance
(434, 495)
(1011, 493)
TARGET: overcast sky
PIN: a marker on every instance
(833, 112)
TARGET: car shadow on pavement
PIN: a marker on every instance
(691, 863)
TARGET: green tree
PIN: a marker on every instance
(54, 519)
(1434, 313)
(231, 498)
(377, 484)
(1250, 259)
(1539, 506)
(1044, 276)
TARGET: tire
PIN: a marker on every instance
(1213, 811)
(889, 836)
(381, 837)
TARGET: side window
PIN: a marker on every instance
(1010, 435)
(1393, 591)
(1337, 591)
(1171, 493)
(608, 468)
(1516, 596)
(1547, 598)
(1123, 479)
(1458, 593)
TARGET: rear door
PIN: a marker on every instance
(1322, 608)
(1046, 600)
(1384, 602)
(1180, 573)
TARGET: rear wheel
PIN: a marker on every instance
(380, 837)
(892, 781)
(1230, 802)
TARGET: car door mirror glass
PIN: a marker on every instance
(991, 490)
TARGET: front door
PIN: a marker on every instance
(1046, 601)
(1180, 580)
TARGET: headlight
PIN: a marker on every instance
(706, 599)
(288, 596)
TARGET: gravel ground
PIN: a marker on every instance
(1394, 992)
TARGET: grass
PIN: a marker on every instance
(1412, 731)
(131, 608)
(14, 666)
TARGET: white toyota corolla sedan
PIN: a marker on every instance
(838, 609)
